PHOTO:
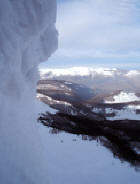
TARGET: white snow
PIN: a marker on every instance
(39, 95)
(134, 107)
(88, 71)
(53, 87)
(52, 101)
(48, 86)
(27, 37)
(97, 110)
(62, 86)
(73, 161)
(133, 73)
(77, 71)
(68, 82)
(124, 97)
(69, 94)
(128, 112)
(42, 107)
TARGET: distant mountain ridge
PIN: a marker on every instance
(87, 71)
(103, 79)
(77, 99)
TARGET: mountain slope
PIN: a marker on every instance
(105, 79)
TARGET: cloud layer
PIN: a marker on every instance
(99, 28)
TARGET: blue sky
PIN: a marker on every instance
(97, 33)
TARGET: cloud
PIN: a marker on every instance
(99, 28)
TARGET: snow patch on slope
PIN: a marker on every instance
(133, 73)
(54, 87)
(42, 107)
(128, 113)
(124, 97)
(52, 101)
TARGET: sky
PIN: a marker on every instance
(97, 33)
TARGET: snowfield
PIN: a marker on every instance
(87, 71)
(74, 161)
(127, 113)
(124, 97)
(133, 73)
(77, 71)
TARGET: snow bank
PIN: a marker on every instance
(124, 97)
(27, 37)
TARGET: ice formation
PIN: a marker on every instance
(27, 37)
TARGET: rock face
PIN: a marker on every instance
(27, 37)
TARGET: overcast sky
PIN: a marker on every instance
(103, 32)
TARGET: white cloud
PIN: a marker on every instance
(99, 28)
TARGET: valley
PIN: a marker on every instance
(111, 118)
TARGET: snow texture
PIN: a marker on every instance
(74, 161)
(27, 37)
(77, 71)
(133, 73)
(87, 71)
(52, 101)
(126, 113)
(129, 113)
(124, 97)
(42, 107)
